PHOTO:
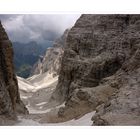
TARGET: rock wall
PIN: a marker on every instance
(52, 59)
(10, 102)
(100, 70)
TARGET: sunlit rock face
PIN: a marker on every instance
(10, 102)
(100, 70)
(52, 60)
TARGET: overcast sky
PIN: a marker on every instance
(39, 28)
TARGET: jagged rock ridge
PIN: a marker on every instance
(10, 102)
(100, 70)
(52, 60)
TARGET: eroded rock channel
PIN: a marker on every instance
(94, 66)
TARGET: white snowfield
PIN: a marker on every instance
(25, 85)
(83, 121)
(42, 103)
(36, 111)
(33, 85)
(36, 82)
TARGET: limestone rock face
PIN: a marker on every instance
(52, 60)
(100, 70)
(10, 102)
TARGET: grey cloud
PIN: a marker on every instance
(50, 35)
(25, 28)
(6, 17)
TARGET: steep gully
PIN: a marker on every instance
(100, 68)
(37, 101)
(36, 91)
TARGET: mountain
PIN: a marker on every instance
(37, 90)
(52, 59)
(26, 55)
(100, 70)
(97, 68)
(10, 102)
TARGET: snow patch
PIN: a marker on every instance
(36, 111)
(36, 82)
(83, 121)
(24, 97)
(42, 103)
(62, 105)
(27, 122)
(24, 85)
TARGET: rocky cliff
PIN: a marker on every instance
(51, 61)
(10, 103)
(100, 70)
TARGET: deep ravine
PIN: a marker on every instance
(37, 102)
(91, 73)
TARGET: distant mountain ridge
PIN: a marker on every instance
(51, 61)
(26, 55)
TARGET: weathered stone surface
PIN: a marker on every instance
(10, 102)
(52, 60)
(100, 70)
